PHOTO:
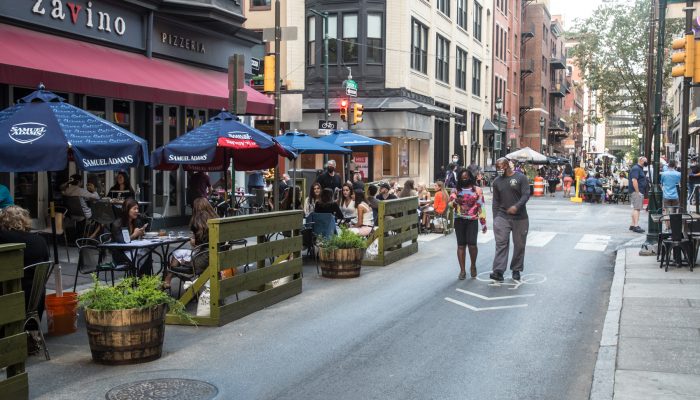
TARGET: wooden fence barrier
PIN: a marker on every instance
(275, 266)
(13, 340)
(397, 223)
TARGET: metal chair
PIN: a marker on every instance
(59, 218)
(189, 271)
(677, 241)
(91, 259)
(76, 213)
(42, 271)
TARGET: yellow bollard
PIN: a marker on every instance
(577, 199)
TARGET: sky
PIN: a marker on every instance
(572, 9)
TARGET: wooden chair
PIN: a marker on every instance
(42, 271)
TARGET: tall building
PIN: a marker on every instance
(423, 73)
(574, 107)
(545, 85)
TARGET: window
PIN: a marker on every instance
(444, 6)
(462, 14)
(311, 41)
(442, 59)
(374, 38)
(419, 47)
(476, 77)
(332, 39)
(460, 126)
(461, 73)
(497, 46)
(544, 97)
(350, 38)
(260, 4)
(544, 65)
(477, 21)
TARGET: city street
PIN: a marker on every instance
(407, 331)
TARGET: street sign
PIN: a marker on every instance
(327, 125)
(324, 132)
(255, 66)
(351, 88)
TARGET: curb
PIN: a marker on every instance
(603, 384)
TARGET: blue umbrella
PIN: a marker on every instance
(346, 138)
(304, 143)
(41, 132)
(208, 147)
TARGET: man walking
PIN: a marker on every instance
(637, 188)
(511, 191)
(329, 179)
(670, 179)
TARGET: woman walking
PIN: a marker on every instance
(553, 180)
(467, 200)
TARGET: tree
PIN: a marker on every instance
(612, 54)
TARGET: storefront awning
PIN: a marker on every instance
(65, 65)
(489, 127)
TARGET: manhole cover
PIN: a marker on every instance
(157, 389)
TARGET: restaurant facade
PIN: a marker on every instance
(156, 68)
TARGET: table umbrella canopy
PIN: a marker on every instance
(347, 138)
(605, 155)
(303, 143)
(209, 147)
(526, 154)
(42, 132)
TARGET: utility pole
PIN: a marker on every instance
(326, 114)
(685, 139)
(648, 131)
(278, 37)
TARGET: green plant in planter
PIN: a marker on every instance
(144, 292)
(347, 239)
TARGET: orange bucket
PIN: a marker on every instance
(62, 313)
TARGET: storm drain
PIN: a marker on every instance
(168, 388)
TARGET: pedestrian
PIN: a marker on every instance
(579, 177)
(669, 180)
(440, 174)
(357, 182)
(693, 180)
(467, 199)
(455, 160)
(637, 188)
(330, 179)
(474, 168)
(384, 193)
(568, 179)
(408, 190)
(552, 180)
(511, 192)
(199, 186)
(5, 197)
(451, 177)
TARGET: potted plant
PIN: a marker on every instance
(341, 255)
(125, 323)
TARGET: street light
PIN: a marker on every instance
(499, 108)
(639, 136)
(541, 134)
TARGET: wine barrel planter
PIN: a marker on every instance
(340, 263)
(126, 336)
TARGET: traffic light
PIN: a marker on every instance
(269, 76)
(685, 58)
(344, 110)
(357, 110)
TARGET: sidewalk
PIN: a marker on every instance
(650, 347)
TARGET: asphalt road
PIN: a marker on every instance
(407, 331)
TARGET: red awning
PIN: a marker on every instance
(65, 65)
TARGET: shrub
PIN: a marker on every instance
(347, 239)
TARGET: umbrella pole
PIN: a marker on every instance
(294, 183)
(233, 181)
(52, 217)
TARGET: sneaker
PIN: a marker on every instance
(472, 271)
(632, 227)
(496, 276)
(638, 229)
(462, 276)
(516, 276)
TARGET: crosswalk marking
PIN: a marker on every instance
(592, 242)
(539, 239)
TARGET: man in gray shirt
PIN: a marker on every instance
(511, 191)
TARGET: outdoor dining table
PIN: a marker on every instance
(160, 246)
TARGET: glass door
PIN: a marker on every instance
(165, 194)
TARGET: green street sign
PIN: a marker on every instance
(351, 88)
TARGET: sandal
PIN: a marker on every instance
(462, 276)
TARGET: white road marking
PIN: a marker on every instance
(539, 239)
(591, 246)
(493, 298)
(470, 307)
(592, 242)
(485, 237)
(589, 238)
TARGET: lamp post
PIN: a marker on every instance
(639, 136)
(499, 108)
(541, 134)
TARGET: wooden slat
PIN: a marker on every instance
(15, 388)
(264, 224)
(251, 217)
(13, 350)
(240, 309)
(11, 308)
(396, 206)
(172, 319)
(395, 255)
(391, 241)
(256, 252)
(12, 261)
(258, 277)
(401, 222)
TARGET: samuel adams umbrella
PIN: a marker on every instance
(41, 133)
(347, 138)
(208, 147)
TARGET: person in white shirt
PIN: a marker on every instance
(74, 188)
